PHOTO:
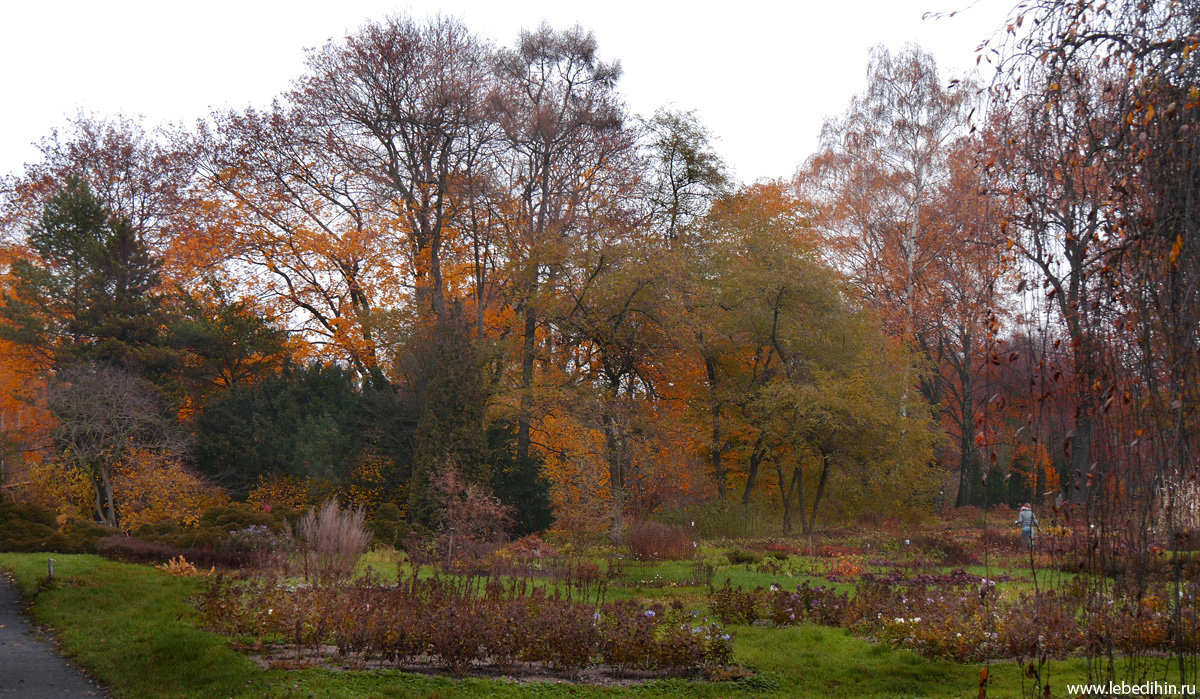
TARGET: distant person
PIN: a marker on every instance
(1028, 521)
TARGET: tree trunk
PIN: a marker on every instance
(798, 482)
(436, 281)
(480, 275)
(109, 510)
(614, 443)
(526, 409)
(1081, 455)
(98, 491)
(812, 516)
(756, 457)
(968, 478)
(716, 447)
(968, 474)
(785, 497)
(616, 532)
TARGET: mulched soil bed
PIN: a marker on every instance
(327, 657)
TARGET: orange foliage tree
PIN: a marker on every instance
(322, 253)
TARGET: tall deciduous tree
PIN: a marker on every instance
(751, 241)
(905, 215)
(614, 325)
(792, 360)
(401, 104)
(317, 242)
(875, 176)
(140, 176)
(1056, 143)
(965, 308)
(563, 128)
(686, 174)
(1096, 142)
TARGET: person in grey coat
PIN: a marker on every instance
(1028, 521)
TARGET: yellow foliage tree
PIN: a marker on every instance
(56, 486)
(276, 493)
(367, 485)
(150, 487)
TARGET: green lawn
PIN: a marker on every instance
(132, 626)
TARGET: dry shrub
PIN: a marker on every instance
(1001, 540)
(533, 548)
(652, 541)
(733, 605)
(134, 550)
(576, 574)
(1177, 512)
(267, 551)
(868, 519)
(457, 634)
(332, 540)
(179, 566)
(461, 624)
(473, 521)
(952, 551)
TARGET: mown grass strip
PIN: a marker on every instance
(134, 628)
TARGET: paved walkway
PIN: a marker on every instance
(30, 665)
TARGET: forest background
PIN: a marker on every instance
(433, 253)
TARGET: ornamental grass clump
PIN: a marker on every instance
(332, 540)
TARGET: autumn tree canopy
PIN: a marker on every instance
(431, 253)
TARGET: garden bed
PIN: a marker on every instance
(283, 657)
(461, 625)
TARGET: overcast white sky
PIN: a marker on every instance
(761, 75)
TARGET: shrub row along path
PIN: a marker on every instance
(30, 665)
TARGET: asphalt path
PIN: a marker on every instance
(30, 664)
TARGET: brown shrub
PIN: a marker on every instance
(134, 550)
(652, 541)
(951, 551)
(1001, 540)
(868, 519)
(473, 521)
